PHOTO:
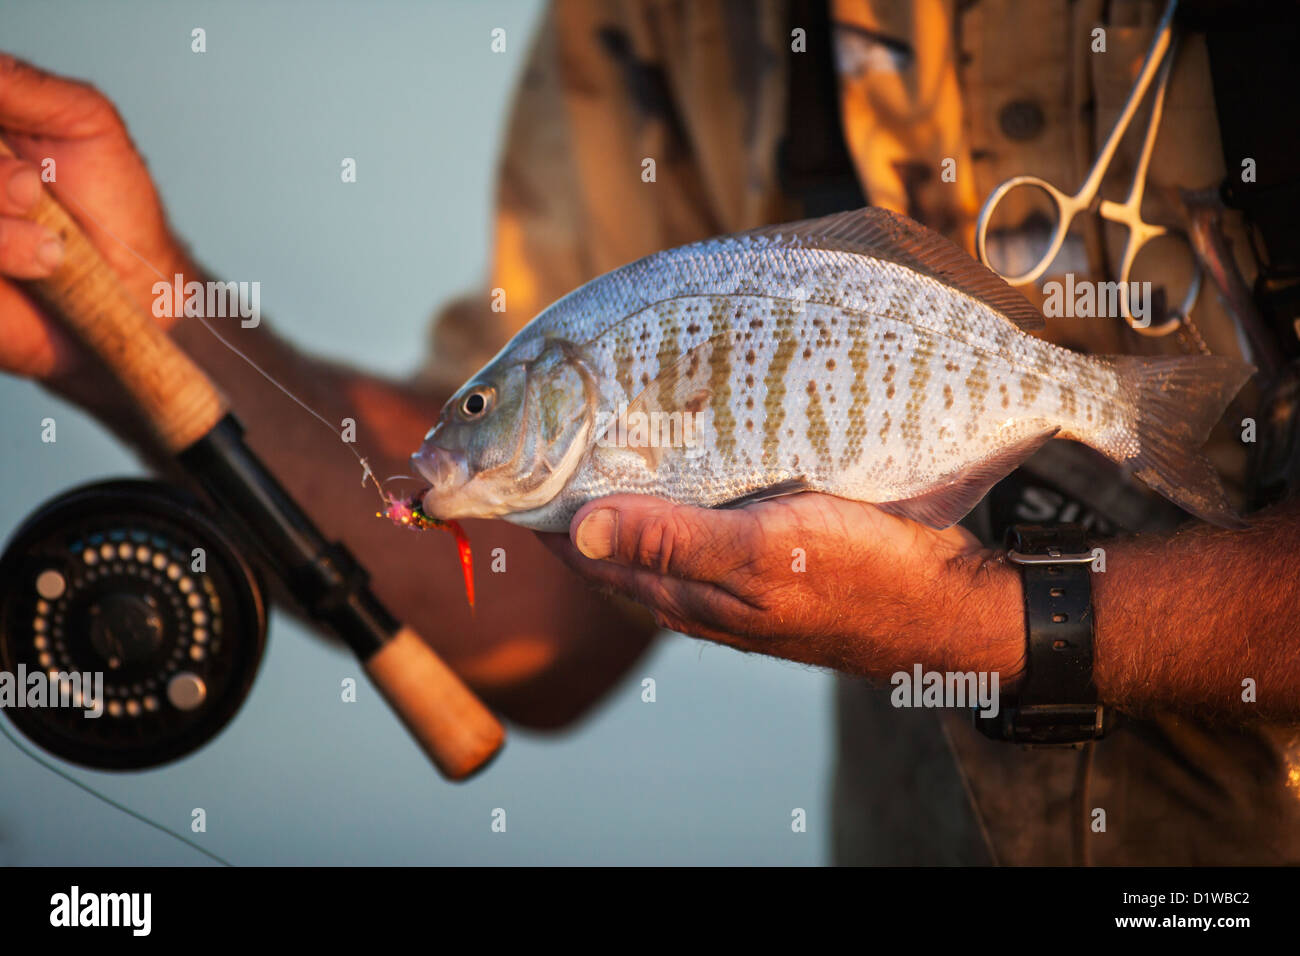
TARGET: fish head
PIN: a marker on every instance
(513, 435)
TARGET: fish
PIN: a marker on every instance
(859, 355)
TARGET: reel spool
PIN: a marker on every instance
(106, 578)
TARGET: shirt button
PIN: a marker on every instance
(1021, 120)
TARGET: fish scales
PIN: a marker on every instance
(802, 361)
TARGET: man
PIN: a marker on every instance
(743, 126)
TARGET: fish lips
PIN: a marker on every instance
(446, 472)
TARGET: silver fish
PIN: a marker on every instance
(861, 355)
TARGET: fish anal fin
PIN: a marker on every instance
(948, 502)
(884, 234)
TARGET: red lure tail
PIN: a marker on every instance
(407, 513)
(466, 556)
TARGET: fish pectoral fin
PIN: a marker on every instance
(792, 486)
(685, 384)
(884, 234)
(655, 421)
(947, 503)
(652, 454)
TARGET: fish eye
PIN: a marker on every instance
(476, 403)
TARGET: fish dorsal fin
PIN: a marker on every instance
(682, 386)
(883, 234)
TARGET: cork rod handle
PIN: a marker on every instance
(177, 399)
(459, 734)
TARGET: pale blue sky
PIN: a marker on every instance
(245, 143)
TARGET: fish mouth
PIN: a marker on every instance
(446, 472)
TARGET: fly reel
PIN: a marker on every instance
(132, 580)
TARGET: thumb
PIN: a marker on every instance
(686, 542)
(38, 103)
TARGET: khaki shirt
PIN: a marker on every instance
(994, 88)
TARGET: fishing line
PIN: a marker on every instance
(338, 432)
(107, 799)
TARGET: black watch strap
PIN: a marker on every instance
(1057, 701)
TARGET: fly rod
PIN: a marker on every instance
(192, 422)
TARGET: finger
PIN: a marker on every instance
(679, 540)
(33, 101)
(20, 187)
(28, 250)
(30, 345)
(689, 607)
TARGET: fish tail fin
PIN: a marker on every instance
(1174, 403)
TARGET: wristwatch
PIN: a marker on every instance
(1056, 702)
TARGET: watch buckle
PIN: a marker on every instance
(1053, 556)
